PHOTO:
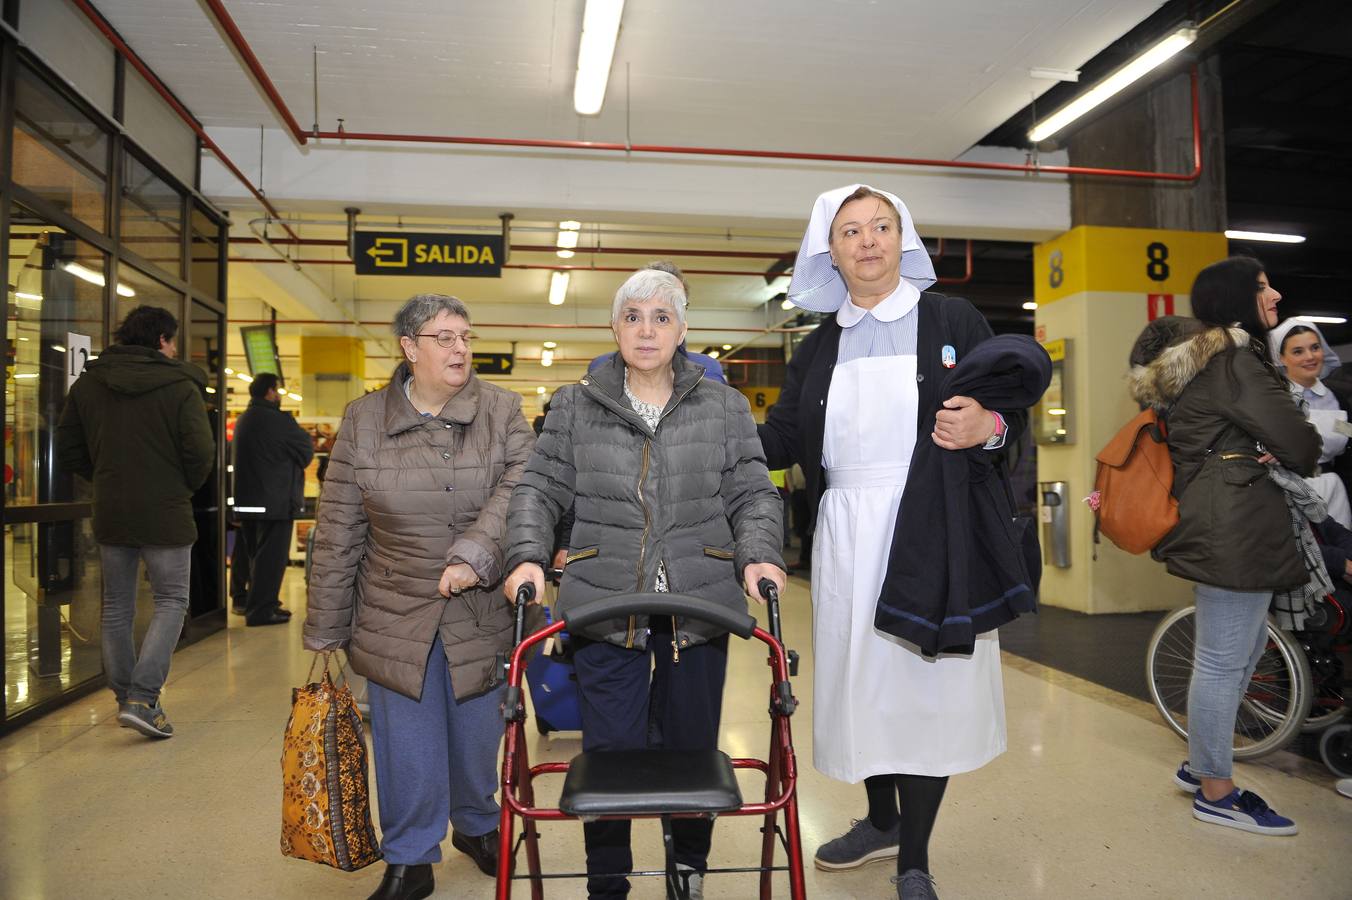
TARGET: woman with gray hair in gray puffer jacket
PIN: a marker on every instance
(671, 493)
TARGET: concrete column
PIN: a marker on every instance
(1133, 252)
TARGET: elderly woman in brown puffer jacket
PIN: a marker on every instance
(406, 577)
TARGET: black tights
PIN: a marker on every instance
(920, 798)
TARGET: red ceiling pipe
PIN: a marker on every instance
(256, 69)
(574, 326)
(550, 248)
(116, 40)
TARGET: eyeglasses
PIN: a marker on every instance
(448, 339)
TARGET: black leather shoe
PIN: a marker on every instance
(405, 883)
(482, 849)
(276, 617)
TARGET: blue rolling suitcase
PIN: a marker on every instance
(553, 686)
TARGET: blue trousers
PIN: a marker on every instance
(1231, 636)
(632, 699)
(436, 761)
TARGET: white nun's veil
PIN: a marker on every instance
(816, 284)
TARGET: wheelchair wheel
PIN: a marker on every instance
(1335, 749)
(1275, 703)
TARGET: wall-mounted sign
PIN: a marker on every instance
(260, 349)
(77, 355)
(427, 253)
(493, 363)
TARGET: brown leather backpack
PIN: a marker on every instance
(1134, 485)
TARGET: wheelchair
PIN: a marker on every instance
(1297, 687)
(652, 783)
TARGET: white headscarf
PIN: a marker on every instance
(1278, 334)
(816, 284)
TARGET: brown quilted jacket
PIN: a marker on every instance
(404, 496)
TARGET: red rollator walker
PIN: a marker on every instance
(653, 784)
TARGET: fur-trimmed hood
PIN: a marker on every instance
(1159, 380)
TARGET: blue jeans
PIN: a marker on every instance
(137, 677)
(436, 761)
(1231, 631)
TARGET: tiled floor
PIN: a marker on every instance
(1081, 806)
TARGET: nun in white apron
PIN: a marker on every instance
(882, 712)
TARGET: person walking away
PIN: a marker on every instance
(135, 425)
(271, 453)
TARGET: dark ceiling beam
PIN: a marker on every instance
(1248, 120)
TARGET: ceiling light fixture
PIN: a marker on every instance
(1146, 62)
(786, 304)
(550, 345)
(727, 346)
(547, 358)
(595, 52)
(713, 354)
(1030, 305)
(244, 376)
(93, 277)
(296, 397)
(540, 390)
(567, 239)
(558, 288)
(1324, 320)
(24, 295)
(1271, 237)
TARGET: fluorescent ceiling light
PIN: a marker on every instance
(713, 354)
(229, 371)
(547, 358)
(27, 375)
(296, 397)
(567, 239)
(1114, 83)
(550, 345)
(1269, 236)
(595, 52)
(210, 389)
(558, 288)
(540, 390)
(93, 277)
(1324, 320)
(24, 295)
(786, 304)
(1030, 305)
(1056, 411)
(727, 346)
(244, 376)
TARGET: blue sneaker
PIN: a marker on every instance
(1187, 782)
(1244, 810)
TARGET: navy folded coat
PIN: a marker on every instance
(957, 567)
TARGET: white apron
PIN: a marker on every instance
(880, 707)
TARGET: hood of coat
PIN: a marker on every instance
(134, 370)
(1159, 381)
(400, 415)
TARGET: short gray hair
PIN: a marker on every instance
(420, 309)
(651, 284)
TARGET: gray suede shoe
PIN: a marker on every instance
(149, 720)
(914, 884)
(861, 844)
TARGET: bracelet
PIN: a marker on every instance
(1000, 425)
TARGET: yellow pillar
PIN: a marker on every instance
(333, 374)
(1096, 288)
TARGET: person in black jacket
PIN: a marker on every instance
(271, 453)
(863, 393)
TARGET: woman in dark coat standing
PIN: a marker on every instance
(1230, 415)
(861, 391)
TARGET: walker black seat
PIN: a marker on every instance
(649, 783)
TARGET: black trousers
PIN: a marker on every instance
(632, 699)
(267, 544)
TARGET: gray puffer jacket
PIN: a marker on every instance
(694, 495)
(406, 495)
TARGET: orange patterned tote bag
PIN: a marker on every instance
(326, 804)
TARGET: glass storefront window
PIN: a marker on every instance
(59, 153)
(152, 217)
(55, 303)
(135, 288)
(205, 264)
(53, 597)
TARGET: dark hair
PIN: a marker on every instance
(1226, 292)
(1295, 330)
(864, 192)
(259, 387)
(664, 265)
(145, 325)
